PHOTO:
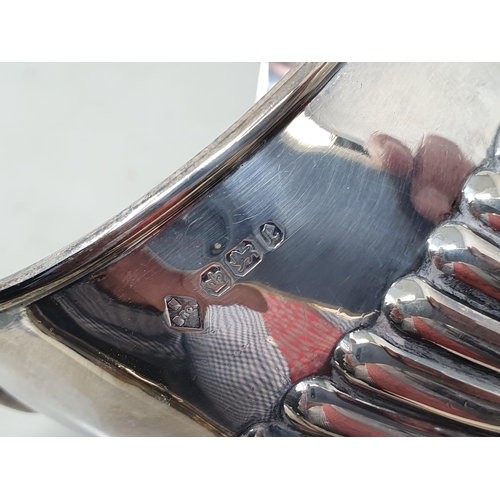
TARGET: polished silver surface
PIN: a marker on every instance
(408, 371)
(226, 289)
(482, 192)
(459, 252)
(321, 406)
(446, 360)
(424, 312)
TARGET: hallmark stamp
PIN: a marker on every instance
(215, 281)
(243, 258)
(271, 235)
(183, 313)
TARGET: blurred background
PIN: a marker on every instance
(80, 142)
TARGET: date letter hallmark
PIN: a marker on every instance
(243, 258)
(271, 235)
(183, 314)
(215, 281)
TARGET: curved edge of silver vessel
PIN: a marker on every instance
(129, 228)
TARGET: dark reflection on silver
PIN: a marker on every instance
(417, 308)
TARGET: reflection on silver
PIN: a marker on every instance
(482, 192)
(408, 371)
(459, 252)
(357, 221)
(420, 310)
(447, 361)
(320, 406)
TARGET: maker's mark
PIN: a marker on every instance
(183, 313)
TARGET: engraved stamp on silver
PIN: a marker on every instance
(215, 280)
(183, 314)
(243, 258)
(271, 235)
